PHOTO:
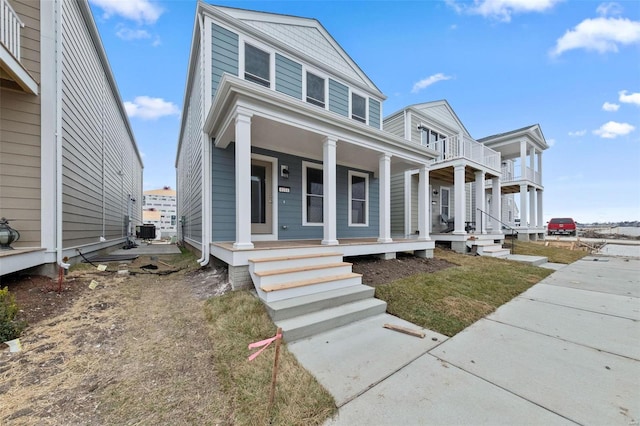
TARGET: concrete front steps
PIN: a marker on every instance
(309, 294)
(487, 248)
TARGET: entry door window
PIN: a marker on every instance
(444, 202)
(261, 193)
(314, 195)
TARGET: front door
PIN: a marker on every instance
(261, 197)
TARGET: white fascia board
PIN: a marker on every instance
(284, 108)
(15, 69)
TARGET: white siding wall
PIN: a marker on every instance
(440, 113)
(395, 125)
(101, 167)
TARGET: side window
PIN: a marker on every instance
(315, 90)
(256, 65)
(358, 198)
(312, 206)
(358, 108)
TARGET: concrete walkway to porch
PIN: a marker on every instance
(566, 351)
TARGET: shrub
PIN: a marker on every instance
(10, 328)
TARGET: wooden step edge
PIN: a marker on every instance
(304, 283)
(293, 257)
(301, 269)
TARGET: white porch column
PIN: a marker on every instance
(532, 208)
(496, 205)
(540, 217)
(384, 172)
(540, 167)
(481, 218)
(243, 181)
(424, 205)
(523, 205)
(523, 160)
(460, 199)
(329, 191)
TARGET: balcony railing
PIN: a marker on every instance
(10, 27)
(530, 175)
(457, 147)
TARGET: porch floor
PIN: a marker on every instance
(267, 245)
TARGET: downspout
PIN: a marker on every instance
(58, 109)
(206, 163)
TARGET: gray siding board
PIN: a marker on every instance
(288, 77)
(397, 204)
(395, 125)
(374, 113)
(224, 55)
(223, 195)
(338, 98)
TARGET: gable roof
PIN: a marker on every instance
(533, 131)
(306, 36)
(440, 111)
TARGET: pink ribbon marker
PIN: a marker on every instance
(264, 343)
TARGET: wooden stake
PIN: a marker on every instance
(405, 330)
(275, 369)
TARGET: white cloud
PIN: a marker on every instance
(613, 129)
(503, 9)
(128, 34)
(632, 98)
(599, 34)
(426, 82)
(141, 11)
(577, 133)
(149, 108)
(607, 106)
(609, 9)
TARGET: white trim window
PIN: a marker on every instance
(313, 194)
(445, 201)
(316, 90)
(358, 198)
(257, 65)
(358, 108)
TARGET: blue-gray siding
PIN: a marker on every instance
(289, 204)
(374, 113)
(224, 55)
(288, 77)
(223, 194)
(338, 98)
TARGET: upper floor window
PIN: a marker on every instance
(358, 108)
(256, 65)
(315, 90)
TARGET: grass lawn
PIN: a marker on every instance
(451, 299)
(235, 320)
(553, 254)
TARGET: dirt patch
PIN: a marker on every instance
(376, 271)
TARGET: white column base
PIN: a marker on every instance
(385, 240)
(329, 242)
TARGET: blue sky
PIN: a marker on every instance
(571, 66)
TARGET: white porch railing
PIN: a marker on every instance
(459, 146)
(10, 27)
(530, 175)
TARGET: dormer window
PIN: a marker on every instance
(358, 108)
(315, 90)
(256, 65)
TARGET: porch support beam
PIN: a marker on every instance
(329, 190)
(424, 206)
(523, 205)
(384, 166)
(523, 161)
(496, 205)
(532, 208)
(481, 219)
(540, 218)
(243, 181)
(460, 199)
(540, 168)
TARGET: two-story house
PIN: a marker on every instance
(70, 170)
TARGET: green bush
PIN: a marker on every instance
(10, 328)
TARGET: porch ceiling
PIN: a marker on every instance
(446, 174)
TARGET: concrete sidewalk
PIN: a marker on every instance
(566, 351)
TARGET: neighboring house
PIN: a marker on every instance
(281, 150)
(70, 170)
(159, 209)
(470, 179)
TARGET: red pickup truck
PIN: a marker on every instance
(561, 225)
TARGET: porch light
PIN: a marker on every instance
(435, 192)
(7, 235)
